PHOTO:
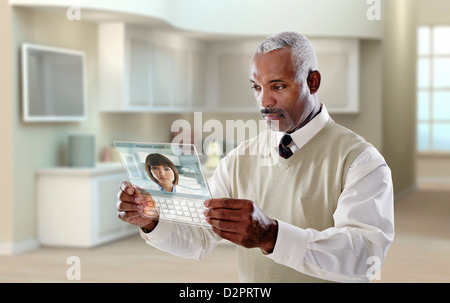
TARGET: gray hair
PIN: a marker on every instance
(303, 55)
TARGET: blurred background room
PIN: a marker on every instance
(129, 70)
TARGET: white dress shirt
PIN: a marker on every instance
(350, 251)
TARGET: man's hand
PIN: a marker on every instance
(242, 222)
(136, 206)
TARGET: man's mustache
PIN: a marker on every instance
(266, 111)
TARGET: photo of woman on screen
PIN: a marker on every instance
(162, 171)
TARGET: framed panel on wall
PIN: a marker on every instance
(339, 67)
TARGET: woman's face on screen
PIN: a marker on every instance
(163, 174)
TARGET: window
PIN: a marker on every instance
(433, 89)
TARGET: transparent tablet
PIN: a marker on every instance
(169, 178)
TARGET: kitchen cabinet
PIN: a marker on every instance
(77, 206)
(144, 70)
(141, 70)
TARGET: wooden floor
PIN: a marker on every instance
(419, 253)
(421, 248)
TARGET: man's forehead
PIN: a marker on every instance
(277, 64)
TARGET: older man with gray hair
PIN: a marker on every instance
(320, 212)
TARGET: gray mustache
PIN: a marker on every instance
(266, 111)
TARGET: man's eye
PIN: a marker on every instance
(255, 87)
(278, 87)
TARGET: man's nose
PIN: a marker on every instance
(266, 99)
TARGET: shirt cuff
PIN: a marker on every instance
(290, 247)
(159, 234)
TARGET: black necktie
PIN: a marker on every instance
(283, 148)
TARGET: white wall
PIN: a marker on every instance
(248, 18)
(6, 126)
(399, 93)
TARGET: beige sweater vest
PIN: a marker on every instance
(302, 190)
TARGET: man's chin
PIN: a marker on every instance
(274, 125)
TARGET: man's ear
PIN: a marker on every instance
(314, 81)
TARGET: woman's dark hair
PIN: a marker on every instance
(158, 159)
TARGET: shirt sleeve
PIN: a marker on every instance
(182, 240)
(355, 248)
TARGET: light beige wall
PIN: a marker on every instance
(242, 18)
(433, 12)
(399, 94)
(368, 122)
(6, 133)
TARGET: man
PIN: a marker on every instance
(317, 207)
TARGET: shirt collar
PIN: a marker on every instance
(301, 136)
(162, 189)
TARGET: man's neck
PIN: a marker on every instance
(316, 110)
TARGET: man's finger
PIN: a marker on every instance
(223, 214)
(127, 187)
(127, 215)
(227, 203)
(127, 206)
(123, 196)
(227, 235)
(222, 225)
